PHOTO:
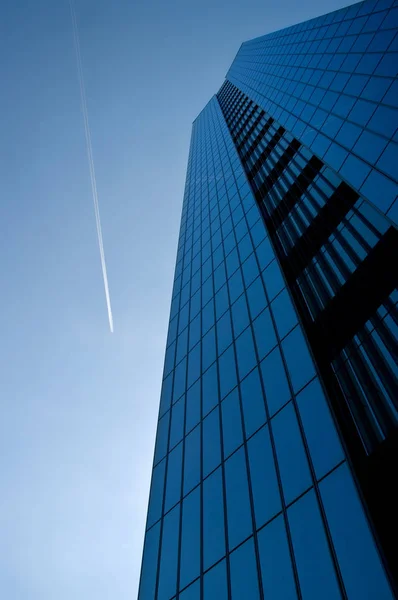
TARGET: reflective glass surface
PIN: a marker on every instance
(251, 493)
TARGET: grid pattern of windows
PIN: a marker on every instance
(332, 82)
(334, 248)
(277, 432)
(332, 245)
(251, 494)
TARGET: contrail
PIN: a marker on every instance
(90, 160)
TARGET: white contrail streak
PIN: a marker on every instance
(91, 160)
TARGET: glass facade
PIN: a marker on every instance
(275, 453)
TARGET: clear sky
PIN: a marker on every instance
(79, 405)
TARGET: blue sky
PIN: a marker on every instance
(79, 405)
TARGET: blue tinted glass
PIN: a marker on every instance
(207, 316)
(182, 345)
(235, 284)
(299, 361)
(191, 460)
(277, 391)
(179, 379)
(190, 538)
(252, 403)
(266, 497)
(165, 398)
(231, 423)
(177, 422)
(215, 583)
(169, 554)
(314, 563)
(194, 332)
(264, 253)
(193, 407)
(227, 372)
(156, 495)
(224, 332)
(319, 429)
(213, 520)
(173, 480)
(276, 566)
(193, 365)
(192, 592)
(244, 582)
(209, 348)
(264, 333)
(162, 436)
(284, 313)
(246, 356)
(222, 301)
(238, 503)
(250, 270)
(240, 315)
(210, 389)
(256, 297)
(293, 465)
(211, 442)
(169, 358)
(149, 564)
(359, 562)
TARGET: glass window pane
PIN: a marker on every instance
(231, 423)
(246, 356)
(244, 582)
(156, 493)
(273, 280)
(227, 372)
(284, 313)
(360, 564)
(240, 315)
(162, 435)
(215, 583)
(213, 520)
(276, 566)
(266, 497)
(298, 358)
(314, 563)
(211, 448)
(191, 460)
(277, 391)
(252, 403)
(264, 333)
(179, 379)
(169, 554)
(224, 332)
(319, 429)
(238, 503)
(177, 422)
(173, 479)
(190, 538)
(192, 592)
(149, 563)
(210, 389)
(256, 297)
(293, 465)
(193, 407)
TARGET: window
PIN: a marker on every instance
(266, 497)
(314, 563)
(293, 465)
(276, 566)
(244, 581)
(213, 520)
(238, 503)
(252, 403)
(190, 539)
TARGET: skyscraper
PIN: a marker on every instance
(276, 449)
